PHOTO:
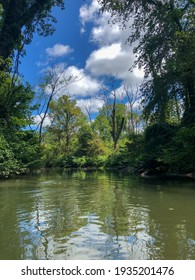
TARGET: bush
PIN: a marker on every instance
(180, 154)
(135, 150)
(9, 165)
(156, 137)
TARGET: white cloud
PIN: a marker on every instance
(114, 57)
(72, 81)
(58, 50)
(103, 32)
(88, 13)
(114, 61)
(38, 118)
(108, 52)
(138, 73)
(91, 105)
(84, 84)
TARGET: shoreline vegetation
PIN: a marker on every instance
(126, 171)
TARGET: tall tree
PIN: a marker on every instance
(165, 33)
(15, 100)
(66, 119)
(115, 113)
(113, 110)
(18, 147)
(19, 19)
(133, 101)
(55, 80)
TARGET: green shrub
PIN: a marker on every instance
(9, 165)
(180, 154)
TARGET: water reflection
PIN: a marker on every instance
(92, 215)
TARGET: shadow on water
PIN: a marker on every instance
(96, 215)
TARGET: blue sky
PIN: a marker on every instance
(67, 33)
(89, 47)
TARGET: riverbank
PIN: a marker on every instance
(190, 176)
(127, 170)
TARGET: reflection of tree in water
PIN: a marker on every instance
(51, 217)
(127, 226)
(101, 217)
(122, 226)
(171, 220)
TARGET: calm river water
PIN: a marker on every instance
(96, 215)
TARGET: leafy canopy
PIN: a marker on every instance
(19, 19)
(164, 33)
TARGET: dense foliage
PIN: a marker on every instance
(19, 19)
(159, 140)
(19, 148)
(164, 31)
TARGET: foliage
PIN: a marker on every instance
(27, 149)
(118, 159)
(66, 119)
(20, 19)
(129, 154)
(54, 83)
(61, 138)
(135, 150)
(102, 128)
(156, 138)
(15, 102)
(115, 114)
(19, 147)
(164, 31)
(179, 154)
(86, 148)
(9, 165)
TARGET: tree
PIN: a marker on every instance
(165, 33)
(179, 153)
(60, 140)
(15, 100)
(161, 105)
(19, 19)
(102, 127)
(66, 120)
(9, 165)
(113, 111)
(133, 98)
(19, 147)
(55, 80)
(116, 116)
(87, 106)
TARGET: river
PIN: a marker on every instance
(96, 215)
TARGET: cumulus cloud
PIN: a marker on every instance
(84, 84)
(72, 81)
(103, 31)
(109, 60)
(91, 105)
(58, 50)
(108, 52)
(114, 61)
(88, 13)
(37, 119)
(114, 57)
